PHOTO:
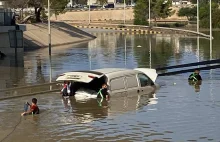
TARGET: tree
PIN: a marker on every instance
(204, 10)
(140, 12)
(102, 2)
(17, 3)
(38, 6)
(204, 15)
(159, 9)
(190, 13)
(57, 6)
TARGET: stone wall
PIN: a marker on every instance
(106, 15)
(95, 15)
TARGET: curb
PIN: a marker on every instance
(125, 30)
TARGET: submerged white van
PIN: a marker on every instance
(120, 81)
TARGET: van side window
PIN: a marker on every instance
(117, 84)
(145, 80)
(131, 81)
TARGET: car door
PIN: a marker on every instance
(132, 85)
(146, 85)
(117, 87)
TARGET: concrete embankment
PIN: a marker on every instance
(36, 35)
(138, 29)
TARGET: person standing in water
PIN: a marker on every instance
(66, 89)
(33, 108)
(195, 76)
(103, 92)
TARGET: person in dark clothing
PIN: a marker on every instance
(2, 55)
(103, 92)
(66, 89)
(195, 76)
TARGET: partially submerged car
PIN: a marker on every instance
(120, 82)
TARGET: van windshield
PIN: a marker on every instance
(92, 87)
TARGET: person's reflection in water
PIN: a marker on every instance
(66, 103)
(39, 72)
(103, 93)
(196, 85)
(87, 110)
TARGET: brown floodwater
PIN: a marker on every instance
(176, 112)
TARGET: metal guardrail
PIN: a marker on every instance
(16, 92)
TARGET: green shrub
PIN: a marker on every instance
(140, 22)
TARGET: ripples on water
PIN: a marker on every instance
(178, 111)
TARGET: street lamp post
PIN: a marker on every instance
(124, 11)
(198, 30)
(49, 43)
(125, 52)
(150, 51)
(197, 16)
(89, 13)
(149, 13)
(49, 30)
(210, 4)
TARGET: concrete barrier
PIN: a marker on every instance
(143, 29)
(126, 30)
(31, 90)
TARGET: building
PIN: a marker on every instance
(181, 2)
(71, 3)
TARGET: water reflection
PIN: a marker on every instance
(137, 118)
(90, 109)
(112, 50)
(196, 85)
(11, 71)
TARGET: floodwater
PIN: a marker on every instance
(177, 112)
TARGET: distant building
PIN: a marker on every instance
(181, 2)
(71, 3)
(91, 2)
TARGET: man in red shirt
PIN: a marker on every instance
(33, 108)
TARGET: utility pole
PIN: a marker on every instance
(124, 11)
(197, 16)
(149, 13)
(49, 30)
(89, 13)
(210, 8)
(49, 42)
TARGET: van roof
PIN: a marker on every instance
(109, 70)
(115, 72)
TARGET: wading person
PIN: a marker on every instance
(33, 108)
(103, 92)
(195, 76)
(66, 89)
